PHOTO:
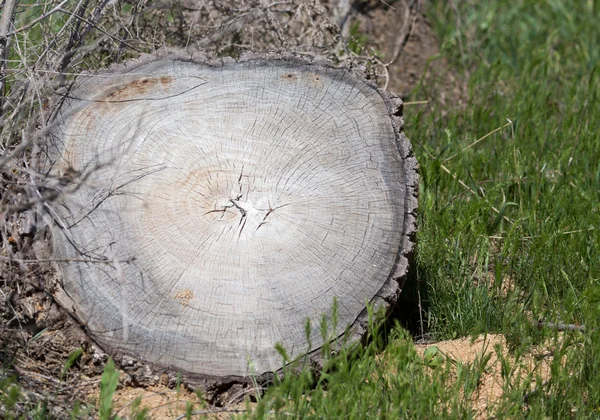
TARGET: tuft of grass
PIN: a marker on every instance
(375, 380)
(536, 258)
(357, 40)
(537, 66)
(10, 394)
(75, 354)
(108, 385)
(137, 411)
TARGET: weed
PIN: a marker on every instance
(76, 354)
(108, 385)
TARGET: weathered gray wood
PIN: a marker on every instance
(234, 200)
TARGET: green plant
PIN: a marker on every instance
(137, 411)
(108, 385)
(75, 354)
(357, 40)
(10, 393)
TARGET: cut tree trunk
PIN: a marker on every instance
(222, 204)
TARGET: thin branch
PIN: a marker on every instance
(233, 26)
(560, 327)
(93, 25)
(509, 123)
(84, 260)
(213, 411)
(411, 14)
(535, 391)
(453, 175)
(8, 15)
(415, 103)
(39, 19)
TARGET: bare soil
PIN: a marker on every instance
(165, 403)
(415, 66)
(468, 351)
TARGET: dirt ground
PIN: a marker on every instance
(414, 63)
(489, 390)
(39, 339)
(163, 402)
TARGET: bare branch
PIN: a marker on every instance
(8, 14)
(39, 19)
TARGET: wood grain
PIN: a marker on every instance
(243, 196)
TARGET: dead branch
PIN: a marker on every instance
(560, 327)
(411, 14)
(8, 15)
(39, 19)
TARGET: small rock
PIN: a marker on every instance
(98, 356)
(164, 379)
(126, 379)
(127, 361)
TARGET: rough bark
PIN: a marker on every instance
(230, 201)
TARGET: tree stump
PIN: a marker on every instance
(224, 204)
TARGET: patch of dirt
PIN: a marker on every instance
(401, 33)
(162, 402)
(490, 387)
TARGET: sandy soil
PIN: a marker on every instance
(163, 402)
(489, 390)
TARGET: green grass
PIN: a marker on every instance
(536, 64)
